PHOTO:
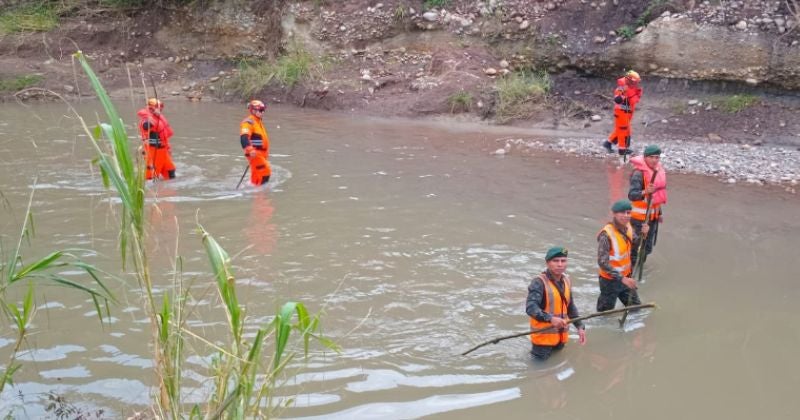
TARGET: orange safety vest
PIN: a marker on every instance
(254, 129)
(620, 254)
(555, 305)
(639, 207)
(631, 96)
(159, 132)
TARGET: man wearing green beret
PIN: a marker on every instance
(648, 184)
(550, 304)
(614, 243)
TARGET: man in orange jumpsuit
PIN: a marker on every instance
(626, 96)
(255, 143)
(156, 132)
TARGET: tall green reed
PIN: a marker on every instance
(243, 384)
(16, 272)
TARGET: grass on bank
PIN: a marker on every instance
(520, 93)
(434, 4)
(460, 101)
(243, 376)
(17, 83)
(31, 17)
(736, 103)
(288, 70)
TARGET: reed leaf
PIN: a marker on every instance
(221, 268)
(40, 265)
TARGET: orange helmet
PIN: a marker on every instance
(155, 103)
(256, 105)
(632, 75)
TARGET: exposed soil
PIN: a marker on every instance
(383, 64)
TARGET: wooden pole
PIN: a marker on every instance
(642, 241)
(570, 321)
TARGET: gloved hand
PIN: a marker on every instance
(250, 151)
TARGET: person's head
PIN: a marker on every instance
(652, 155)
(256, 107)
(155, 105)
(632, 78)
(556, 260)
(621, 211)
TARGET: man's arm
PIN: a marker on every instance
(636, 189)
(535, 298)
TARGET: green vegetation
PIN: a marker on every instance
(400, 13)
(460, 101)
(434, 4)
(18, 83)
(242, 382)
(17, 273)
(37, 17)
(553, 40)
(518, 94)
(291, 68)
(626, 32)
(654, 8)
(736, 103)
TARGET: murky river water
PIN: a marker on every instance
(417, 244)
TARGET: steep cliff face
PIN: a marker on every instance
(682, 48)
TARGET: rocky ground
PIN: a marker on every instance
(401, 58)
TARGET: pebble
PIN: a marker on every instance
(729, 162)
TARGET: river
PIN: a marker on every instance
(416, 244)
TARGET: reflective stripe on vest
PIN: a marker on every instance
(256, 133)
(619, 256)
(555, 306)
(639, 207)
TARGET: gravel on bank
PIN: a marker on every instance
(730, 163)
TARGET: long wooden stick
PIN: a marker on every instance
(641, 252)
(570, 321)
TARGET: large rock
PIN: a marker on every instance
(696, 51)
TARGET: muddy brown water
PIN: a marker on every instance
(417, 245)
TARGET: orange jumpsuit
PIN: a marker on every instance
(254, 138)
(625, 99)
(156, 132)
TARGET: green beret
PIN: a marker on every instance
(556, 251)
(621, 205)
(652, 150)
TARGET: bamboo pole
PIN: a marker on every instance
(570, 321)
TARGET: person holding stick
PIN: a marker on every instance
(648, 183)
(614, 243)
(550, 304)
(255, 143)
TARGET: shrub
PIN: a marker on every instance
(18, 83)
(519, 93)
(434, 4)
(36, 17)
(461, 101)
(736, 103)
(288, 70)
(626, 32)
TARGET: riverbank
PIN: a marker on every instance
(515, 63)
(730, 163)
